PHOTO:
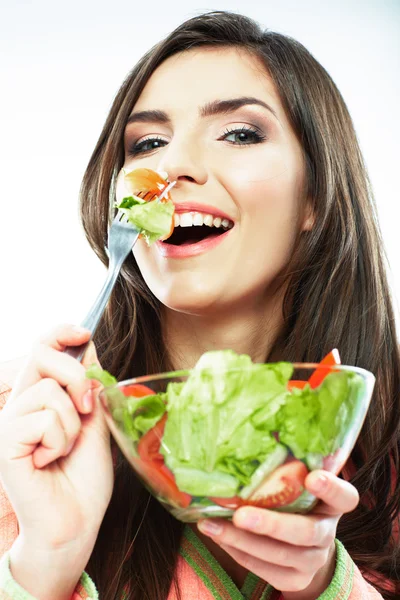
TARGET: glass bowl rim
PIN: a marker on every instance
(142, 379)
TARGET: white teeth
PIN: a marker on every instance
(198, 219)
(217, 222)
(186, 220)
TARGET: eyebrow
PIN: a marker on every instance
(227, 106)
(217, 107)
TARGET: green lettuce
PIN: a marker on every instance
(135, 416)
(313, 421)
(210, 426)
(154, 219)
(96, 372)
(232, 421)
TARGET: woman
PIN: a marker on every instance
(254, 131)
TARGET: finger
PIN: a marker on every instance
(268, 549)
(58, 339)
(297, 530)
(285, 579)
(46, 362)
(65, 335)
(42, 427)
(48, 394)
(338, 496)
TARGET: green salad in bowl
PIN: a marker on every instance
(230, 432)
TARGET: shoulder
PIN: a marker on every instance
(8, 374)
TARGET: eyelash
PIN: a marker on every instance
(257, 137)
(136, 148)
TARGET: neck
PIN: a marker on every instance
(249, 330)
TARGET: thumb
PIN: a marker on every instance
(96, 416)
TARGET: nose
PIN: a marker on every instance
(184, 161)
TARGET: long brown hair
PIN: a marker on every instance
(337, 296)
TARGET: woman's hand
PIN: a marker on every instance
(55, 459)
(294, 553)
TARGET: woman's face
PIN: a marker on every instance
(211, 119)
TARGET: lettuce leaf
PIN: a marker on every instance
(210, 423)
(135, 416)
(154, 219)
(315, 421)
(232, 421)
(96, 372)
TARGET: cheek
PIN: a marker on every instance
(269, 204)
(269, 196)
(249, 171)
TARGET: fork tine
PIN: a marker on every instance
(150, 196)
(166, 190)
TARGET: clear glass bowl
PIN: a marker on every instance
(275, 481)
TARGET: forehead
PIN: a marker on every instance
(195, 77)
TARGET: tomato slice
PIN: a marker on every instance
(296, 383)
(282, 487)
(171, 231)
(149, 183)
(153, 469)
(146, 180)
(232, 503)
(138, 390)
(319, 374)
(162, 481)
(149, 444)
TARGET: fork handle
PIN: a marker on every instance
(95, 313)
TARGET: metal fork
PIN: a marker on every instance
(122, 236)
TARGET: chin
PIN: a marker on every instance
(188, 300)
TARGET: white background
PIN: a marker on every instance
(61, 65)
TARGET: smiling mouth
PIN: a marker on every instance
(191, 228)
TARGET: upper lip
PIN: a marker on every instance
(182, 207)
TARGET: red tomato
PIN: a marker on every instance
(282, 487)
(171, 231)
(232, 503)
(319, 375)
(153, 469)
(142, 181)
(148, 184)
(138, 390)
(149, 444)
(294, 383)
(156, 475)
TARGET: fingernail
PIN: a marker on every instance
(210, 527)
(87, 401)
(319, 483)
(80, 330)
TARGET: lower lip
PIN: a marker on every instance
(185, 251)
